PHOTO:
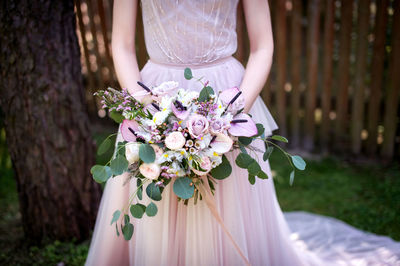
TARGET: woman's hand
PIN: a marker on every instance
(258, 21)
(123, 46)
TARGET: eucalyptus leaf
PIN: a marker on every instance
(262, 175)
(101, 173)
(127, 231)
(151, 209)
(298, 162)
(104, 146)
(291, 179)
(119, 165)
(117, 117)
(243, 160)
(268, 153)
(260, 129)
(188, 73)
(279, 138)
(116, 216)
(140, 193)
(121, 148)
(153, 192)
(137, 211)
(116, 229)
(242, 148)
(183, 187)
(252, 179)
(146, 153)
(254, 168)
(126, 219)
(205, 94)
(223, 170)
(245, 140)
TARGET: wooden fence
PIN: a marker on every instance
(335, 81)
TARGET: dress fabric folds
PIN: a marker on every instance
(201, 35)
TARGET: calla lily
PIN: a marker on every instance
(128, 129)
(221, 143)
(245, 126)
(180, 112)
(227, 95)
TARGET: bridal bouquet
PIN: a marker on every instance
(180, 137)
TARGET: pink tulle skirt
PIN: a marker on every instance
(189, 235)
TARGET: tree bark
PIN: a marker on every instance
(47, 127)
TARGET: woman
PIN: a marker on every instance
(200, 35)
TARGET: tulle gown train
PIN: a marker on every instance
(201, 35)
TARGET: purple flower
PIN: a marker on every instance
(219, 125)
(245, 126)
(129, 129)
(179, 110)
(228, 95)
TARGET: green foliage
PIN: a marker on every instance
(188, 73)
(127, 231)
(279, 138)
(205, 94)
(245, 140)
(183, 187)
(268, 153)
(153, 192)
(116, 216)
(104, 146)
(119, 165)
(117, 117)
(101, 173)
(223, 170)
(137, 210)
(151, 209)
(146, 153)
(252, 179)
(298, 162)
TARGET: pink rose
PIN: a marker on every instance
(150, 170)
(205, 164)
(219, 126)
(197, 125)
(175, 140)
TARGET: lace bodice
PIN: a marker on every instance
(189, 31)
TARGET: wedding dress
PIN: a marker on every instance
(201, 35)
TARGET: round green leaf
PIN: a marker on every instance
(151, 209)
(205, 94)
(254, 168)
(243, 160)
(298, 162)
(119, 165)
(279, 138)
(188, 73)
(183, 187)
(260, 129)
(153, 192)
(116, 216)
(126, 218)
(245, 140)
(101, 173)
(127, 231)
(104, 146)
(137, 211)
(223, 170)
(146, 153)
(268, 153)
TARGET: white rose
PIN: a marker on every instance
(175, 140)
(150, 170)
(132, 152)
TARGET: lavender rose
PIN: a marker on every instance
(219, 125)
(197, 125)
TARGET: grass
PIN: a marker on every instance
(364, 196)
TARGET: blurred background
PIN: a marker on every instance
(333, 90)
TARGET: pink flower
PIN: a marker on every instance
(150, 170)
(219, 125)
(179, 110)
(221, 143)
(227, 95)
(246, 127)
(175, 140)
(165, 88)
(205, 164)
(159, 152)
(128, 130)
(197, 125)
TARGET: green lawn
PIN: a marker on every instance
(364, 196)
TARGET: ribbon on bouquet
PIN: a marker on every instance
(205, 190)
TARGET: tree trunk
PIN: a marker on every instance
(46, 122)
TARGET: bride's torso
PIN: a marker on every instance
(189, 31)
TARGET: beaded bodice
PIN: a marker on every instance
(189, 31)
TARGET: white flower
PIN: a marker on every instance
(132, 152)
(150, 170)
(205, 164)
(175, 140)
(160, 117)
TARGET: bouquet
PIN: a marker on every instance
(180, 137)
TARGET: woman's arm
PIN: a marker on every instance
(123, 44)
(259, 28)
